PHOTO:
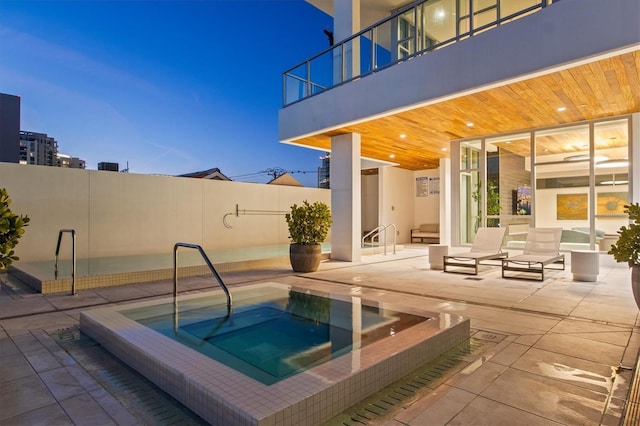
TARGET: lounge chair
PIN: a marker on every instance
(486, 246)
(541, 249)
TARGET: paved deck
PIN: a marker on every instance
(556, 352)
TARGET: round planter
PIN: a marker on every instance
(635, 283)
(305, 258)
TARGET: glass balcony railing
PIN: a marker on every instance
(415, 30)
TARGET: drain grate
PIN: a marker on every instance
(142, 398)
(404, 391)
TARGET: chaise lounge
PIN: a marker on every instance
(486, 246)
(541, 249)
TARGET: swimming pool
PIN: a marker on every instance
(275, 336)
(329, 383)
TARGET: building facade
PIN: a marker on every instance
(67, 161)
(38, 149)
(528, 113)
(9, 128)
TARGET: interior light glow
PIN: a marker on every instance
(622, 162)
(614, 182)
(561, 109)
(584, 157)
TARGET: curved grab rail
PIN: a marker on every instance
(382, 229)
(209, 264)
(73, 257)
(375, 233)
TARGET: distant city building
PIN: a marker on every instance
(214, 174)
(9, 128)
(324, 180)
(70, 162)
(110, 167)
(38, 149)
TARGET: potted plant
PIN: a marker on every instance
(308, 227)
(627, 248)
(11, 229)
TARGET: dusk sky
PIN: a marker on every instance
(170, 87)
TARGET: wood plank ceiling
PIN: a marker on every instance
(604, 88)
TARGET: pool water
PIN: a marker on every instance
(277, 335)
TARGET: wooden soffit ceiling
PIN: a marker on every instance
(603, 88)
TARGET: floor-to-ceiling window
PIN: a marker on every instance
(575, 177)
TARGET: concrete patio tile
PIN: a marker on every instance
(119, 293)
(42, 360)
(116, 410)
(28, 343)
(7, 347)
(23, 395)
(437, 408)
(83, 378)
(38, 322)
(607, 313)
(13, 367)
(477, 376)
(61, 384)
(590, 350)
(528, 339)
(84, 410)
(83, 298)
(482, 412)
(613, 413)
(510, 354)
(49, 415)
(32, 305)
(547, 398)
(575, 371)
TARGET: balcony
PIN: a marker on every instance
(415, 30)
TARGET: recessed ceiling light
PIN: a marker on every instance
(444, 149)
(392, 156)
(562, 109)
(402, 136)
(469, 124)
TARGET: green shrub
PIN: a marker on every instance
(627, 248)
(11, 229)
(309, 224)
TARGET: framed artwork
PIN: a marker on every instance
(611, 203)
(572, 206)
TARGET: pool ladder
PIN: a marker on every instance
(382, 230)
(209, 264)
(73, 257)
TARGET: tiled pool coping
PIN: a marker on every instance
(221, 395)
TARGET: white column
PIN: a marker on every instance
(346, 22)
(345, 197)
(635, 159)
(445, 201)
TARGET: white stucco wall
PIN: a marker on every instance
(396, 200)
(121, 213)
(426, 209)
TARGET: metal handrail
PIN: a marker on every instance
(382, 229)
(376, 231)
(338, 49)
(73, 257)
(209, 264)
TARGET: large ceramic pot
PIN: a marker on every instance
(635, 283)
(305, 258)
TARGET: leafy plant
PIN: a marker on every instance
(627, 248)
(11, 229)
(493, 203)
(309, 224)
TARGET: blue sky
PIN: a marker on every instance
(170, 86)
